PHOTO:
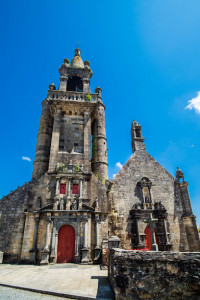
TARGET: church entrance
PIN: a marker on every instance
(66, 244)
(148, 239)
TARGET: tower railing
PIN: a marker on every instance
(72, 96)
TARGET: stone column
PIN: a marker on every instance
(140, 234)
(57, 185)
(168, 244)
(46, 247)
(97, 232)
(97, 250)
(45, 251)
(85, 250)
(53, 245)
(80, 193)
(68, 201)
(77, 254)
(85, 234)
(114, 242)
(33, 251)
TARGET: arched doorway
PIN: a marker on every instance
(148, 239)
(66, 244)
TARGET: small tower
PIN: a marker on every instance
(137, 139)
(99, 142)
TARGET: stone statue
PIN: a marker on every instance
(61, 204)
(74, 204)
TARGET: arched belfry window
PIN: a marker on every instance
(75, 84)
(145, 187)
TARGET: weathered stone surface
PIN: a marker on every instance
(154, 275)
(143, 186)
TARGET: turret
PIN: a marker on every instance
(137, 139)
(42, 153)
(99, 142)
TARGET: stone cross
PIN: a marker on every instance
(151, 221)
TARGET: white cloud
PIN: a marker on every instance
(194, 103)
(114, 175)
(26, 158)
(119, 165)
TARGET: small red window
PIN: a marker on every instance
(75, 189)
(63, 189)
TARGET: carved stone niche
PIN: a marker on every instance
(145, 190)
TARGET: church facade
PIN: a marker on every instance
(69, 209)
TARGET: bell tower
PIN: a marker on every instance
(70, 115)
(137, 138)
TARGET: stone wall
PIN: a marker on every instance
(154, 275)
(12, 219)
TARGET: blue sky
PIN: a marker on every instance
(144, 54)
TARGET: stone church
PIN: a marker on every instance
(69, 209)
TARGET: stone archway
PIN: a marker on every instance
(66, 244)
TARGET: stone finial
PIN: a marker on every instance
(66, 61)
(135, 124)
(86, 63)
(52, 86)
(77, 52)
(179, 175)
(136, 130)
(137, 138)
(98, 91)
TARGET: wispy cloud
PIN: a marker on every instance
(194, 103)
(26, 158)
(119, 165)
(114, 175)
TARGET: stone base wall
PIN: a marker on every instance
(154, 275)
(12, 220)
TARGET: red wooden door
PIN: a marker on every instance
(66, 244)
(148, 239)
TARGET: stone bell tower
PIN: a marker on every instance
(70, 192)
(70, 115)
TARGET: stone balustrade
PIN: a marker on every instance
(71, 96)
(69, 168)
